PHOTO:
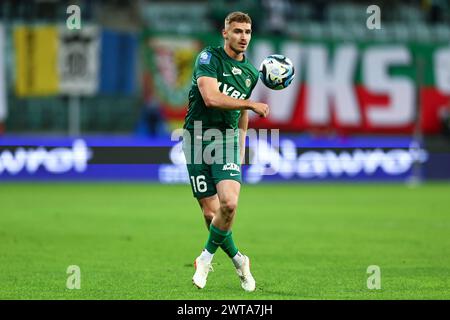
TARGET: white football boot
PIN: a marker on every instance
(247, 281)
(202, 269)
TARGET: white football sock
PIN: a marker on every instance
(206, 256)
(238, 259)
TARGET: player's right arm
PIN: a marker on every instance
(213, 98)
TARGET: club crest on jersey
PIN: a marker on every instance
(248, 82)
(231, 166)
(236, 71)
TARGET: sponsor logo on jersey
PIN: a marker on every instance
(231, 166)
(236, 71)
(231, 91)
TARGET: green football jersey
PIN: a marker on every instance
(236, 79)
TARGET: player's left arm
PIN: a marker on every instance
(243, 125)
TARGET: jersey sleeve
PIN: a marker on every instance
(206, 64)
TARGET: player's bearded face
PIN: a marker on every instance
(238, 35)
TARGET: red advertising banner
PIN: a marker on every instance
(339, 87)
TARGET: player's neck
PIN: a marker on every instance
(239, 56)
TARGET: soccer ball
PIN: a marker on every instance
(276, 72)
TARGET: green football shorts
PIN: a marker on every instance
(209, 162)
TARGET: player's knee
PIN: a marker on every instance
(208, 215)
(229, 206)
(228, 217)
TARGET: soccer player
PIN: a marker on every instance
(222, 81)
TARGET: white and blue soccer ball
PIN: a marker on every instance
(276, 72)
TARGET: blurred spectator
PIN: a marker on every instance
(435, 10)
(444, 117)
(319, 10)
(219, 9)
(218, 12)
(151, 122)
(277, 12)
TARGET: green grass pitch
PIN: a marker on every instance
(306, 241)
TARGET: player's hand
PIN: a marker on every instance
(260, 108)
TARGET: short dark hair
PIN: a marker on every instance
(237, 16)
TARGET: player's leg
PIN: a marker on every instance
(222, 221)
(228, 194)
(203, 263)
(203, 187)
(228, 184)
(227, 178)
(209, 205)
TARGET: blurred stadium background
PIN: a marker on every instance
(100, 103)
(126, 74)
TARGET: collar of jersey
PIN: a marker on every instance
(222, 51)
